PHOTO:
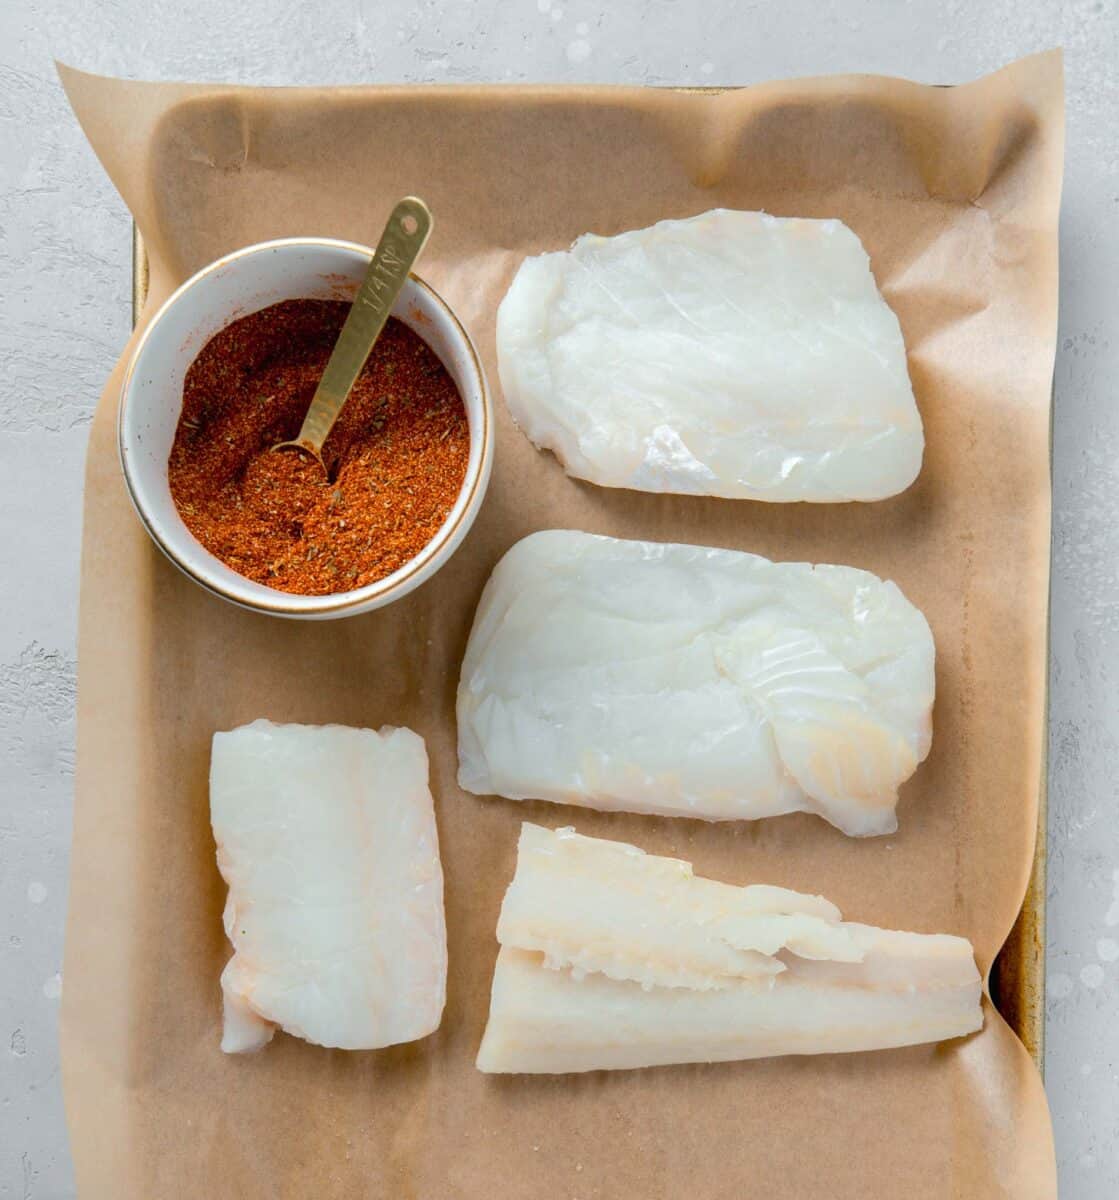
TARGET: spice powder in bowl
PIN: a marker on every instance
(396, 457)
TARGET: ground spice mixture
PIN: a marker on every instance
(396, 456)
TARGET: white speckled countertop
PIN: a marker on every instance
(64, 315)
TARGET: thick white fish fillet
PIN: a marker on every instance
(643, 971)
(731, 354)
(688, 681)
(326, 837)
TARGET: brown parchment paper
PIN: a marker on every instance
(955, 194)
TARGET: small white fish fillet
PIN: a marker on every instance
(687, 681)
(625, 983)
(600, 906)
(730, 354)
(326, 837)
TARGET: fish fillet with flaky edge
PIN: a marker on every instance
(688, 681)
(613, 958)
(730, 354)
(326, 837)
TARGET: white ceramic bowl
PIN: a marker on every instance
(232, 287)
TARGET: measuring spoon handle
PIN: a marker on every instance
(405, 235)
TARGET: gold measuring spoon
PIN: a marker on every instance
(404, 236)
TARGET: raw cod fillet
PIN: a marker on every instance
(326, 837)
(613, 958)
(687, 681)
(730, 354)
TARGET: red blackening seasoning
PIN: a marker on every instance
(396, 456)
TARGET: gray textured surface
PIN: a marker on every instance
(64, 288)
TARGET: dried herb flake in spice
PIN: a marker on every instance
(397, 455)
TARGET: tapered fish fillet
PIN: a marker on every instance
(731, 354)
(614, 958)
(326, 837)
(693, 682)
